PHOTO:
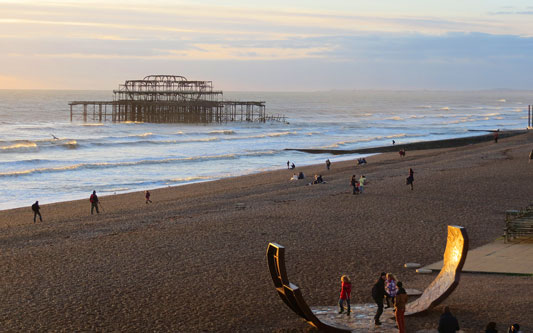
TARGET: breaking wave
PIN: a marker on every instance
(226, 132)
(105, 165)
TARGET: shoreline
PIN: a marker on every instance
(144, 267)
(419, 145)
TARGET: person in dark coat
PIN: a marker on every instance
(448, 323)
(515, 328)
(94, 202)
(399, 307)
(35, 207)
(353, 183)
(378, 292)
(491, 328)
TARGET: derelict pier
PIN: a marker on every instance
(170, 99)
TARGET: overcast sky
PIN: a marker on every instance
(269, 45)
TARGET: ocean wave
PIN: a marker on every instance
(226, 132)
(19, 145)
(503, 100)
(394, 118)
(118, 189)
(493, 114)
(94, 124)
(103, 165)
(188, 179)
(140, 135)
(446, 108)
(424, 107)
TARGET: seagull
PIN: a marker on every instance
(55, 137)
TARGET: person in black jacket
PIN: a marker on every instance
(35, 207)
(448, 323)
(378, 292)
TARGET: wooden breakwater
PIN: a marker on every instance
(421, 145)
(170, 99)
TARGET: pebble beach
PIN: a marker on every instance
(194, 259)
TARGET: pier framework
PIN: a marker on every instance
(170, 99)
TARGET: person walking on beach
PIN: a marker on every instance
(346, 290)
(147, 196)
(328, 164)
(399, 307)
(353, 183)
(410, 179)
(288, 165)
(448, 323)
(496, 135)
(390, 289)
(362, 182)
(35, 207)
(378, 292)
(94, 202)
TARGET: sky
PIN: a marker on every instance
(269, 45)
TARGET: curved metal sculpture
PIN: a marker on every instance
(448, 278)
(290, 293)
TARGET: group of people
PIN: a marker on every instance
(388, 288)
(385, 286)
(358, 186)
(290, 165)
(93, 199)
(361, 161)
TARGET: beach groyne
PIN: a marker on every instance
(421, 145)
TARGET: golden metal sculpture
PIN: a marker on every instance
(448, 278)
(290, 293)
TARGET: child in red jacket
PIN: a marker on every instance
(346, 290)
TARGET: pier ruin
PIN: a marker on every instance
(170, 99)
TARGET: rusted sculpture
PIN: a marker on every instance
(290, 293)
(448, 278)
(436, 292)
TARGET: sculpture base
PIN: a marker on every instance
(360, 320)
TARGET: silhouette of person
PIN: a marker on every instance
(35, 207)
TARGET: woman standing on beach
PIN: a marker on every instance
(346, 289)
(411, 178)
(390, 289)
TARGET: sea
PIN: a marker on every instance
(47, 157)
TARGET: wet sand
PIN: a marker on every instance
(195, 261)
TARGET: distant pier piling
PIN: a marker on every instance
(172, 99)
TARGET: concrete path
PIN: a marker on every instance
(499, 257)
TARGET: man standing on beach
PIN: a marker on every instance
(378, 292)
(35, 207)
(328, 164)
(288, 165)
(94, 202)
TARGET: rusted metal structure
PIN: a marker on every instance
(290, 294)
(170, 99)
(449, 276)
